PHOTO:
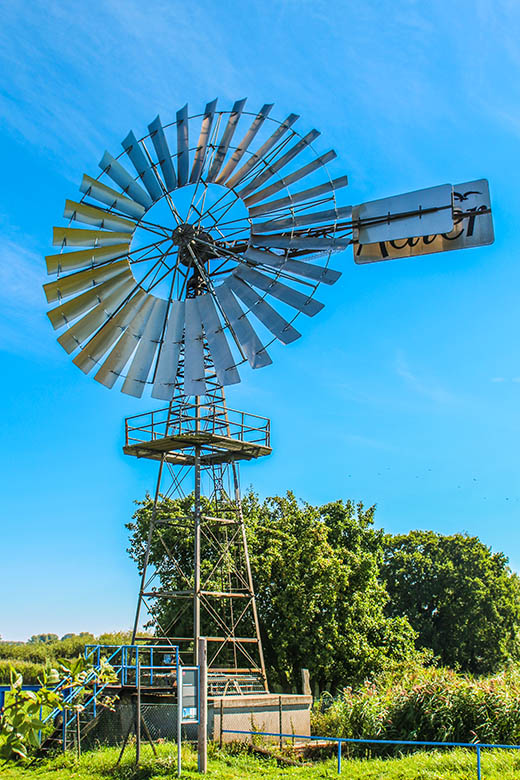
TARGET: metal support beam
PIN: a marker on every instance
(147, 553)
(202, 652)
(196, 564)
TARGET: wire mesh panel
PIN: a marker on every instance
(114, 727)
(280, 715)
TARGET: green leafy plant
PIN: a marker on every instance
(22, 717)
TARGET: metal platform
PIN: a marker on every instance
(222, 434)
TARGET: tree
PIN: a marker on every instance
(316, 573)
(320, 601)
(43, 638)
(462, 599)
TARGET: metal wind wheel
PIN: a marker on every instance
(198, 250)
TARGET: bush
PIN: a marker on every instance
(32, 658)
(427, 704)
(31, 672)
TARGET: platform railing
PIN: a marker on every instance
(183, 418)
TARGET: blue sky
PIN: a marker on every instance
(404, 391)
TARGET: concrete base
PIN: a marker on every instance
(259, 712)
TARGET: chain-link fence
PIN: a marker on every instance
(114, 727)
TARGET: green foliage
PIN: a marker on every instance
(320, 601)
(316, 574)
(426, 703)
(33, 659)
(462, 600)
(43, 638)
(20, 719)
(22, 716)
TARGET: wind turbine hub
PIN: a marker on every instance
(193, 240)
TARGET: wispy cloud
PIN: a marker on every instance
(23, 326)
(422, 386)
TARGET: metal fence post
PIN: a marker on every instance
(339, 756)
(179, 714)
(203, 706)
(280, 720)
(478, 762)
(221, 721)
(138, 718)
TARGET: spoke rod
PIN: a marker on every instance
(169, 201)
(147, 246)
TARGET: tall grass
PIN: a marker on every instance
(428, 704)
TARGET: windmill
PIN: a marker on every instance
(193, 250)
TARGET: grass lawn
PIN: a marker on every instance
(227, 765)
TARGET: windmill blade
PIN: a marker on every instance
(205, 130)
(227, 135)
(273, 321)
(280, 163)
(183, 153)
(79, 237)
(143, 168)
(223, 360)
(85, 257)
(194, 375)
(310, 271)
(114, 364)
(242, 330)
(120, 175)
(288, 179)
(263, 256)
(90, 215)
(309, 243)
(81, 330)
(266, 147)
(244, 144)
(66, 312)
(168, 363)
(82, 280)
(312, 218)
(146, 349)
(297, 300)
(101, 342)
(297, 267)
(114, 200)
(298, 197)
(162, 151)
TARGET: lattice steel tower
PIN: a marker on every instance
(203, 586)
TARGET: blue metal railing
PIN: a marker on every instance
(477, 746)
(128, 662)
(77, 690)
(142, 657)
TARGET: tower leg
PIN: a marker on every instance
(147, 553)
(196, 561)
(238, 501)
